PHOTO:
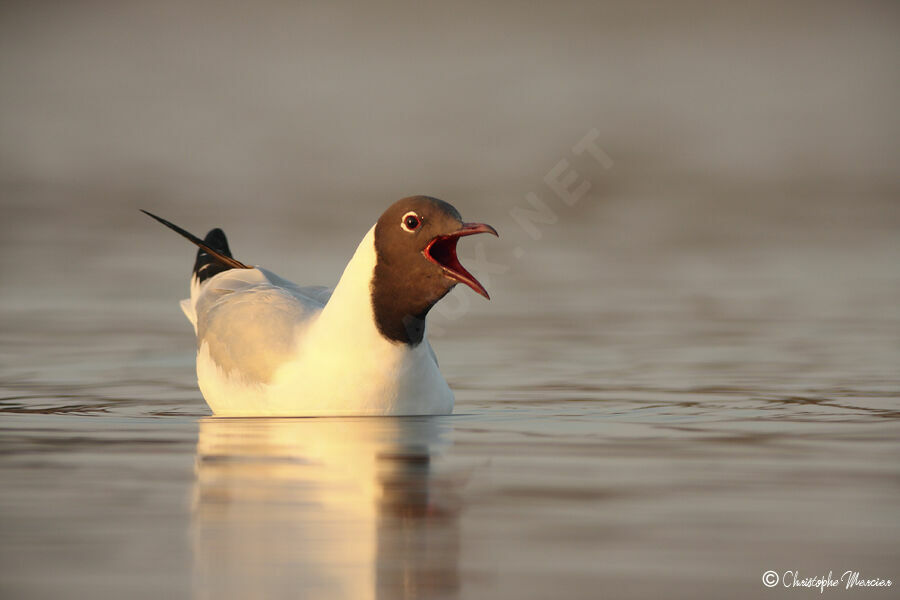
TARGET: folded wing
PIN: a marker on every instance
(248, 321)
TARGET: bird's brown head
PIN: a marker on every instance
(416, 263)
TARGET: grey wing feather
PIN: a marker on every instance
(250, 323)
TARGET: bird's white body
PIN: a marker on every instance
(267, 347)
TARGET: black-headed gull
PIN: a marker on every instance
(267, 347)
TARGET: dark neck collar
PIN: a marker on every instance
(399, 316)
(399, 304)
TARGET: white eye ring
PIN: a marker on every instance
(410, 222)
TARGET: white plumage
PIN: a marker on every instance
(267, 347)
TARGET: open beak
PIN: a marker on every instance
(442, 252)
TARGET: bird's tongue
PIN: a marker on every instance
(442, 251)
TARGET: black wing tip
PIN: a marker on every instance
(216, 238)
(207, 265)
(171, 225)
(152, 216)
(214, 249)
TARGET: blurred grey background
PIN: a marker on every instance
(689, 379)
(741, 133)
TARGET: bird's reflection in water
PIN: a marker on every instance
(324, 508)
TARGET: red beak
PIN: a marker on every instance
(442, 252)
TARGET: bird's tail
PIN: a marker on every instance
(213, 257)
(208, 264)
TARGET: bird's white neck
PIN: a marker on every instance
(349, 313)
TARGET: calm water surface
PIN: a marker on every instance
(691, 378)
(669, 430)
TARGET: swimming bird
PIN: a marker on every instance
(268, 347)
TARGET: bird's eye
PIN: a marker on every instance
(410, 222)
